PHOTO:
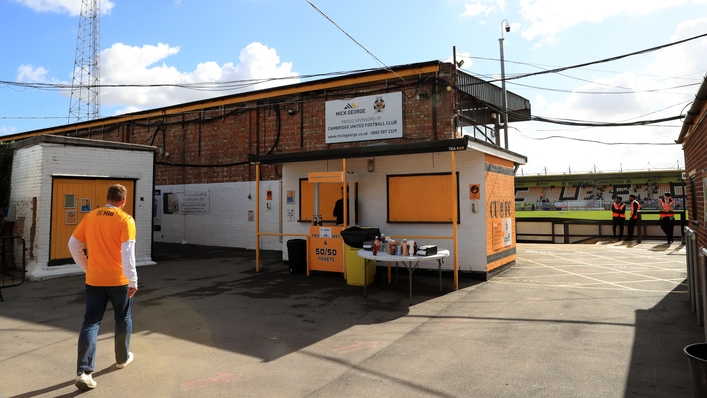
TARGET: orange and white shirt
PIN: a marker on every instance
(109, 235)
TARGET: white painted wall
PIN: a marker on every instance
(32, 171)
(373, 202)
(226, 224)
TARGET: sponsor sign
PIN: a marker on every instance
(373, 117)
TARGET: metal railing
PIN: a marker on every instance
(572, 230)
(12, 269)
(703, 302)
(692, 271)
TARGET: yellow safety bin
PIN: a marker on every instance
(354, 268)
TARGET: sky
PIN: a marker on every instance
(189, 41)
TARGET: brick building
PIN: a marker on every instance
(207, 154)
(693, 137)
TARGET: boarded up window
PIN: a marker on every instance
(424, 198)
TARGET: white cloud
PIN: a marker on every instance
(477, 8)
(598, 101)
(124, 65)
(547, 18)
(657, 94)
(71, 7)
(30, 74)
(4, 130)
(680, 60)
(539, 103)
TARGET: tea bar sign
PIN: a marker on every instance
(373, 117)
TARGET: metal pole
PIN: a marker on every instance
(455, 198)
(690, 252)
(503, 85)
(257, 217)
(703, 303)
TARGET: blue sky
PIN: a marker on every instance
(188, 41)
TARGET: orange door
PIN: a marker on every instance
(72, 199)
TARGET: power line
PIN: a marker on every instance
(354, 40)
(568, 122)
(203, 86)
(618, 57)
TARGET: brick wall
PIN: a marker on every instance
(696, 166)
(26, 185)
(226, 136)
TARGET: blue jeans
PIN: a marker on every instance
(96, 302)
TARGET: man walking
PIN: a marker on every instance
(635, 214)
(109, 235)
(667, 215)
(618, 216)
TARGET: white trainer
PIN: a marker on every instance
(126, 363)
(85, 382)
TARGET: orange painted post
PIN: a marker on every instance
(454, 222)
(346, 211)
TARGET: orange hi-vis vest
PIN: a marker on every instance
(618, 211)
(635, 208)
(666, 208)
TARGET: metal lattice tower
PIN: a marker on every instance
(85, 87)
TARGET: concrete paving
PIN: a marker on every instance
(608, 319)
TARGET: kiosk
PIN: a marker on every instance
(325, 246)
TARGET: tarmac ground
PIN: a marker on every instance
(609, 319)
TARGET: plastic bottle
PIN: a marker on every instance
(405, 247)
(376, 244)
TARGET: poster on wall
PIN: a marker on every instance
(195, 202)
(85, 205)
(372, 117)
(507, 232)
(170, 204)
(290, 197)
(156, 216)
(71, 217)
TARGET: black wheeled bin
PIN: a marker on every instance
(697, 360)
(297, 255)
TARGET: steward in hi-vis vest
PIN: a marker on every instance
(618, 216)
(635, 216)
(667, 215)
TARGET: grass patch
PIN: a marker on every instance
(581, 214)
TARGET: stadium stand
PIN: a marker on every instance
(597, 190)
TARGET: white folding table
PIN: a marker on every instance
(410, 262)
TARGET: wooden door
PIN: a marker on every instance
(72, 199)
